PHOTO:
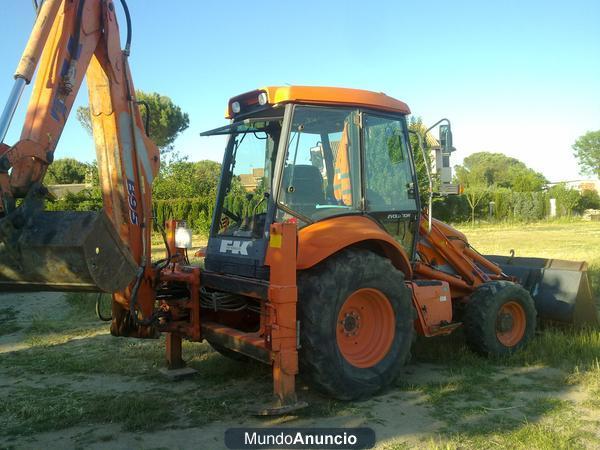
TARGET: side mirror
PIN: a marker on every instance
(316, 157)
(446, 138)
(441, 159)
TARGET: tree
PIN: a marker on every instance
(475, 194)
(587, 152)
(497, 169)
(187, 180)
(527, 180)
(71, 171)
(85, 119)
(416, 125)
(475, 188)
(167, 120)
(589, 200)
(67, 171)
(566, 198)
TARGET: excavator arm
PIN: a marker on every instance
(79, 251)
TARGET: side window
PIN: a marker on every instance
(321, 175)
(388, 173)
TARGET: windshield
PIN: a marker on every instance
(247, 177)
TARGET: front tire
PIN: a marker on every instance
(356, 318)
(500, 319)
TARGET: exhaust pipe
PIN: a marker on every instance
(560, 288)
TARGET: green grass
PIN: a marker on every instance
(535, 418)
(159, 251)
(35, 410)
(572, 240)
(78, 321)
(8, 321)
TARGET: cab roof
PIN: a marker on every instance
(321, 95)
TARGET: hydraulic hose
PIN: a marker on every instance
(129, 32)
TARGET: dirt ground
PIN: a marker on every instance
(61, 402)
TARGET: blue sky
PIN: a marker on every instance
(518, 77)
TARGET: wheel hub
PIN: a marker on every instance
(365, 327)
(351, 323)
(505, 322)
(511, 323)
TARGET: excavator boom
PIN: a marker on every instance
(77, 251)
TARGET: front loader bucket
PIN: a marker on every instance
(560, 288)
(63, 251)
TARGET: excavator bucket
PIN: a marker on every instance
(63, 251)
(561, 289)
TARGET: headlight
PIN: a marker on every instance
(183, 236)
(262, 98)
(235, 107)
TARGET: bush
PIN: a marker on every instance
(529, 206)
(509, 206)
(454, 208)
(588, 200)
(567, 199)
(86, 200)
(197, 212)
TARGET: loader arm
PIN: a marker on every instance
(444, 254)
(111, 250)
(560, 289)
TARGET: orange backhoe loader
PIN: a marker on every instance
(321, 258)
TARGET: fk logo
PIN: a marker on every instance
(235, 247)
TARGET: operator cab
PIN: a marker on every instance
(306, 155)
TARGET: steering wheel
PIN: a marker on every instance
(231, 215)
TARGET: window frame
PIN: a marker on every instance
(360, 112)
(227, 173)
(282, 157)
(410, 159)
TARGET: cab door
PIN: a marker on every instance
(390, 186)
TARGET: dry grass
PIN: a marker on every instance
(576, 240)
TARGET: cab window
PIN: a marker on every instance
(389, 181)
(321, 175)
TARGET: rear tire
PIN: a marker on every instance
(356, 323)
(500, 318)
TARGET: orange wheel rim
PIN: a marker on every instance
(365, 328)
(510, 324)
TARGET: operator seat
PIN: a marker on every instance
(305, 190)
